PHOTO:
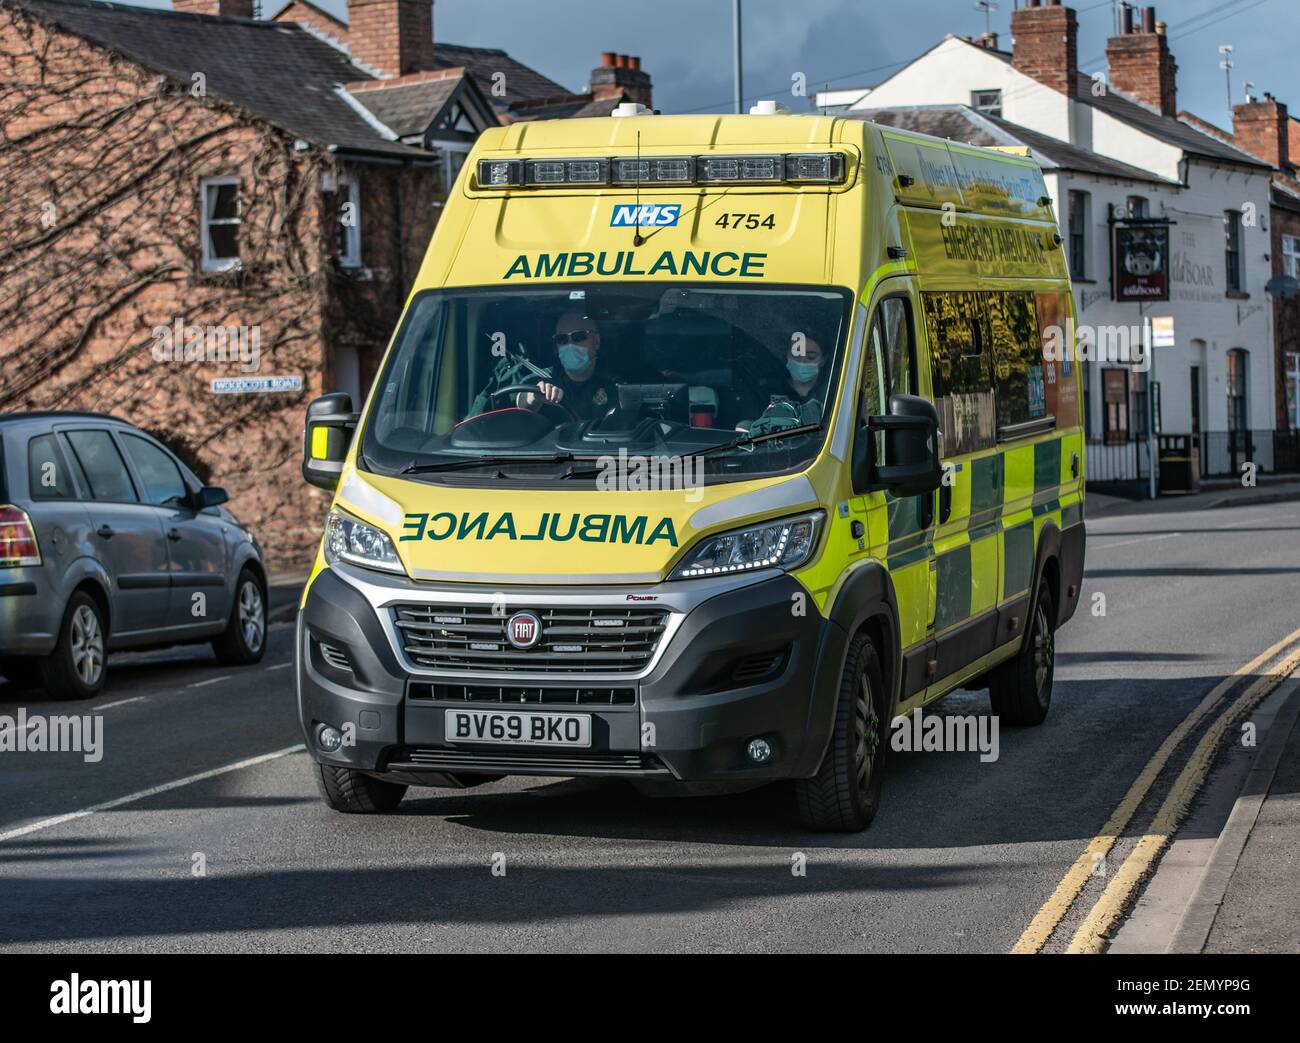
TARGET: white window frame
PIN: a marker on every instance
(348, 191)
(1291, 255)
(987, 107)
(210, 263)
(448, 178)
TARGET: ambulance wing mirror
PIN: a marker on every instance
(330, 424)
(911, 456)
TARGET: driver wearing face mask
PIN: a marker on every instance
(581, 384)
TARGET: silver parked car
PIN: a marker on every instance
(107, 542)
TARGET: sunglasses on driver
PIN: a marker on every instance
(573, 337)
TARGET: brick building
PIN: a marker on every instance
(198, 201)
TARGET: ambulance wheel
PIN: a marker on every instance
(845, 793)
(354, 792)
(1020, 690)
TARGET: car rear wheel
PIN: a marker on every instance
(844, 795)
(77, 667)
(1020, 690)
(355, 793)
(244, 639)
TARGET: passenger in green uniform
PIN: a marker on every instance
(805, 393)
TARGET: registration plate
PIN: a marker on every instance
(519, 728)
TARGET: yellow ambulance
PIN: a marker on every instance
(705, 447)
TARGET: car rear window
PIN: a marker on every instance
(48, 474)
(103, 466)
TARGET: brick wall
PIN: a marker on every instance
(100, 239)
(1046, 45)
(1262, 129)
(392, 36)
(229, 8)
(297, 11)
(1140, 64)
(1286, 314)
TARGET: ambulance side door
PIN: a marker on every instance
(906, 545)
(966, 546)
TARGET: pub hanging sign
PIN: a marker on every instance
(1141, 258)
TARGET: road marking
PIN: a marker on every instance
(1047, 918)
(152, 791)
(1109, 910)
(122, 702)
(1125, 543)
(210, 680)
(280, 666)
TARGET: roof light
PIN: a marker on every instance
(631, 108)
(593, 171)
(825, 168)
(663, 169)
(500, 173)
(767, 107)
(755, 169)
(740, 168)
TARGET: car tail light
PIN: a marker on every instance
(17, 539)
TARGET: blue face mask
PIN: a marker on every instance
(574, 358)
(802, 372)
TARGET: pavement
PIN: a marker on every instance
(200, 829)
(1220, 494)
(1259, 909)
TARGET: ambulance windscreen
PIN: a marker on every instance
(530, 380)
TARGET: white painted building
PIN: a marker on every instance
(1106, 153)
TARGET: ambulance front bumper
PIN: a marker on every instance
(740, 658)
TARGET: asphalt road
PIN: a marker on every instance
(962, 856)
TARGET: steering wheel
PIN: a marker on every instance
(532, 390)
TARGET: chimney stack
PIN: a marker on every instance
(989, 41)
(1046, 44)
(225, 8)
(619, 74)
(1140, 64)
(1260, 127)
(392, 36)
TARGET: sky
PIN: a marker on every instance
(685, 45)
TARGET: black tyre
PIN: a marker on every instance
(244, 639)
(24, 671)
(1020, 690)
(77, 667)
(355, 793)
(844, 795)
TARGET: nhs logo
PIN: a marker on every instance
(647, 215)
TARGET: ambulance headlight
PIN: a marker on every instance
(351, 540)
(784, 544)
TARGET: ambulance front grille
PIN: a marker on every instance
(573, 640)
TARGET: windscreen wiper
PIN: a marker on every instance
(484, 461)
(738, 443)
(748, 439)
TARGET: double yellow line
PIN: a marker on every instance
(1109, 909)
